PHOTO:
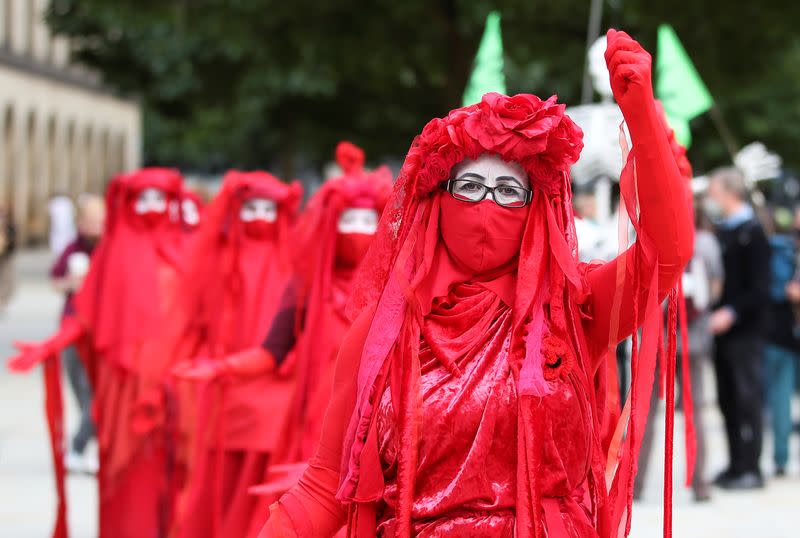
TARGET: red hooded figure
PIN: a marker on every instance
(327, 245)
(191, 210)
(237, 273)
(469, 393)
(118, 323)
(330, 242)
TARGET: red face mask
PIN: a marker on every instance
(351, 248)
(481, 236)
(152, 219)
(259, 229)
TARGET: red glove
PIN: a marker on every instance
(250, 362)
(630, 69)
(31, 354)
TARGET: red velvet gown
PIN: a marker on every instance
(466, 474)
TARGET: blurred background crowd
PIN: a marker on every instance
(90, 88)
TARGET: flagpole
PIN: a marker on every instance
(592, 33)
(723, 130)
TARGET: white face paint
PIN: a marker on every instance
(191, 215)
(259, 209)
(151, 200)
(358, 220)
(492, 171)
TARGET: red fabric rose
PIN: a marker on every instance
(558, 357)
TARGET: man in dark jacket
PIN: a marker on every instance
(738, 323)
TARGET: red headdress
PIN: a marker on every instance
(315, 235)
(119, 301)
(233, 275)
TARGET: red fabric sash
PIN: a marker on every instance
(54, 410)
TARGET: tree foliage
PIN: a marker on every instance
(260, 82)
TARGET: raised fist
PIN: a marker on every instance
(630, 69)
(29, 355)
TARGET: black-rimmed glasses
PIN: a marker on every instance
(467, 190)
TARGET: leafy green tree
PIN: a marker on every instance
(262, 83)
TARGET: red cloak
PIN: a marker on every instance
(121, 305)
(234, 285)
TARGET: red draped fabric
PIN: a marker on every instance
(324, 284)
(324, 265)
(372, 468)
(234, 286)
(122, 304)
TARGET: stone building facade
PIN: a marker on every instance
(61, 131)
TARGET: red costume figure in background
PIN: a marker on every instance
(330, 241)
(191, 210)
(117, 324)
(328, 244)
(237, 272)
(480, 340)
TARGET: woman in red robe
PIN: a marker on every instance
(330, 242)
(469, 392)
(119, 313)
(299, 350)
(238, 268)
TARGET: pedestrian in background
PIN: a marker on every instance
(739, 325)
(7, 247)
(702, 285)
(780, 352)
(62, 222)
(67, 275)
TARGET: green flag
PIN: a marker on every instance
(678, 85)
(487, 73)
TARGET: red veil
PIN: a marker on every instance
(117, 300)
(233, 287)
(323, 286)
(233, 276)
(122, 304)
(550, 305)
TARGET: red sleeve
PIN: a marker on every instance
(666, 222)
(310, 509)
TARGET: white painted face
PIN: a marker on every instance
(191, 214)
(259, 209)
(358, 220)
(492, 171)
(151, 200)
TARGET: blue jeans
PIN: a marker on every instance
(779, 365)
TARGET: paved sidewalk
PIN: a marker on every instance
(27, 497)
(27, 493)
